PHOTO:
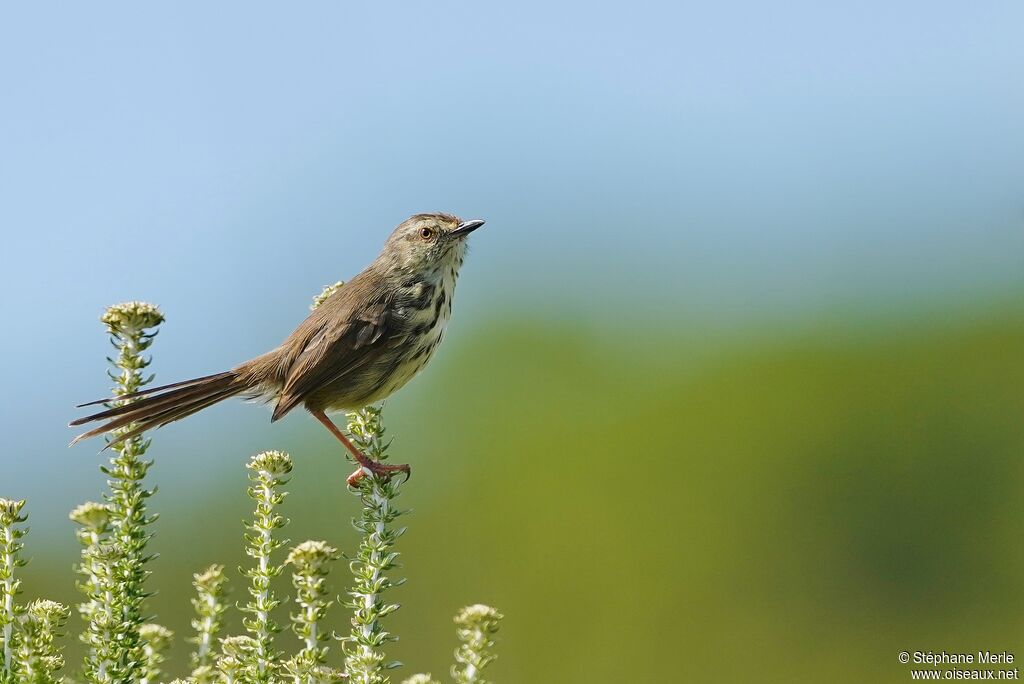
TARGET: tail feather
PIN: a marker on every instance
(182, 393)
(158, 406)
(170, 415)
(135, 412)
(149, 390)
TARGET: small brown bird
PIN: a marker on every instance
(359, 346)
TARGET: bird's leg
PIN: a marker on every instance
(366, 464)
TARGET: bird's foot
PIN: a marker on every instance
(381, 470)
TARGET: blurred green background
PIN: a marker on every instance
(734, 384)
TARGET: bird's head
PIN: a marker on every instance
(428, 242)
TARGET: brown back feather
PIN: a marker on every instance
(342, 335)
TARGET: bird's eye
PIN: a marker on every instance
(427, 233)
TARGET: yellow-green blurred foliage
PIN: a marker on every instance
(652, 506)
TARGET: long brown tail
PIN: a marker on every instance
(158, 406)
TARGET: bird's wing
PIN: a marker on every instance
(345, 333)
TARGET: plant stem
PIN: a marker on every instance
(365, 658)
(39, 659)
(93, 520)
(209, 607)
(476, 627)
(7, 570)
(311, 561)
(10, 517)
(156, 639)
(132, 328)
(268, 472)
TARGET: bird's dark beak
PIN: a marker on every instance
(466, 227)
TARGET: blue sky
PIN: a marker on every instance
(681, 160)
(712, 148)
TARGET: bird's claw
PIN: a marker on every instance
(381, 470)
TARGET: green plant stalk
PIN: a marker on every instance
(156, 639)
(423, 678)
(311, 561)
(39, 659)
(230, 669)
(268, 472)
(235, 653)
(97, 610)
(209, 607)
(132, 327)
(100, 663)
(304, 669)
(10, 534)
(310, 620)
(9, 587)
(475, 626)
(365, 658)
(93, 521)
